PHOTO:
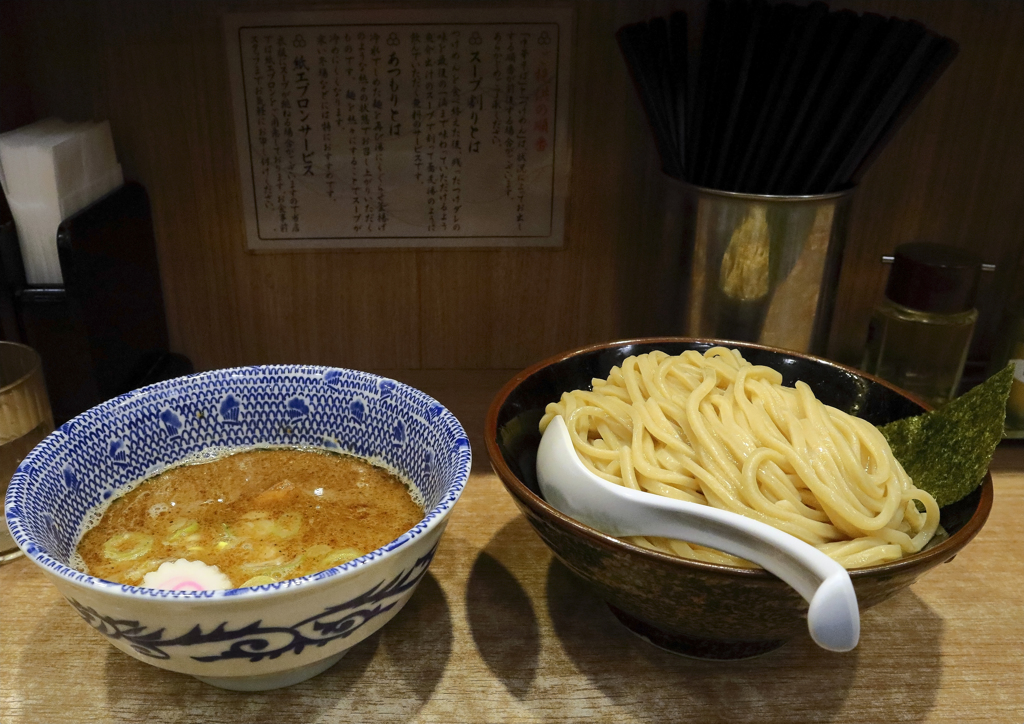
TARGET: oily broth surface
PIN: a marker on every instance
(277, 513)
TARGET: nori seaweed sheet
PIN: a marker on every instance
(947, 451)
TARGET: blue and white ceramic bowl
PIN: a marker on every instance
(252, 638)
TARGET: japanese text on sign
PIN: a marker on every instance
(354, 133)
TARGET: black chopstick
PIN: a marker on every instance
(712, 56)
(765, 82)
(796, 72)
(901, 39)
(754, 26)
(942, 51)
(679, 45)
(822, 61)
(867, 35)
(659, 52)
(788, 99)
(633, 41)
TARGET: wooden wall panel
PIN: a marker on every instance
(164, 87)
(954, 173)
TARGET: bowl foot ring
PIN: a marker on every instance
(696, 648)
(276, 680)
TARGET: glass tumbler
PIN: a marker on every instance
(25, 419)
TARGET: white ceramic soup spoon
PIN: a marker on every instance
(833, 617)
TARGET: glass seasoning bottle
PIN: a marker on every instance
(919, 335)
(1015, 403)
(1009, 348)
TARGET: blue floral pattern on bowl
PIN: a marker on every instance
(160, 425)
(256, 641)
(91, 458)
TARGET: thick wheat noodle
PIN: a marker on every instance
(717, 430)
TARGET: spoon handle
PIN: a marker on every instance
(833, 618)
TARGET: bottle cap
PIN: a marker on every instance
(934, 277)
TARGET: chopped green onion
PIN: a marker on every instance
(258, 581)
(127, 546)
(187, 528)
(287, 525)
(317, 551)
(254, 527)
(276, 571)
(136, 574)
(227, 539)
(339, 556)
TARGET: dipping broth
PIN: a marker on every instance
(260, 516)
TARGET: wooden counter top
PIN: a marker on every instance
(499, 631)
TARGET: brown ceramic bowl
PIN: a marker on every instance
(689, 607)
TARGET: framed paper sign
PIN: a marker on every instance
(402, 127)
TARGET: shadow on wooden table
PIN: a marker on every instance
(391, 674)
(418, 645)
(813, 684)
(505, 584)
(503, 623)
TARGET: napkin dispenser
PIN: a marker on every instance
(102, 332)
